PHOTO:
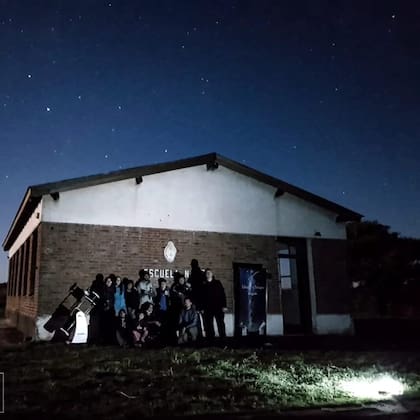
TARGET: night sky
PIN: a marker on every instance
(321, 94)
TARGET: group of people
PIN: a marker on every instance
(136, 313)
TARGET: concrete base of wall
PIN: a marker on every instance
(334, 324)
(23, 323)
(275, 324)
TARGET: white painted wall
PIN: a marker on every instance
(297, 217)
(186, 199)
(193, 199)
(334, 324)
(30, 226)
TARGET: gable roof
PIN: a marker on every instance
(34, 193)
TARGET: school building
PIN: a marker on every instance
(280, 251)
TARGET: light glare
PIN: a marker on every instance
(375, 388)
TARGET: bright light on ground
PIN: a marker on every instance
(376, 387)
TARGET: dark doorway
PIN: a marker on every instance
(294, 286)
(250, 288)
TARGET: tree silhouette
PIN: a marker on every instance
(383, 265)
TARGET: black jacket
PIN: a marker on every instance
(132, 299)
(109, 298)
(197, 281)
(213, 296)
(158, 296)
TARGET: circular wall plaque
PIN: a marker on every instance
(170, 252)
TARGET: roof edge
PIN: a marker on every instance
(34, 193)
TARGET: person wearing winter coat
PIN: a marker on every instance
(213, 305)
(197, 280)
(94, 336)
(188, 326)
(132, 300)
(123, 330)
(179, 291)
(108, 312)
(119, 298)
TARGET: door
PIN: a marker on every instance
(250, 286)
(294, 286)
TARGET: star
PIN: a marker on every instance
(113, 129)
(294, 147)
(48, 109)
(182, 46)
(166, 150)
(333, 44)
(79, 97)
(109, 4)
(106, 156)
(393, 16)
(29, 76)
(336, 89)
(119, 107)
(203, 92)
(6, 176)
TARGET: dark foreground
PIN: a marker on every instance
(56, 380)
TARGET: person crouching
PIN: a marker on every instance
(188, 323)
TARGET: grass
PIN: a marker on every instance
(109, 381)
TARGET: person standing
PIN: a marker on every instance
(144, 287)
(163, 302)
(108, 314)
(197, 280)
(132, 300)
(119, 297)
(213, 305)
(96, 313)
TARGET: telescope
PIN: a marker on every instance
(69, 322)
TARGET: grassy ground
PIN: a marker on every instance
(109, 381)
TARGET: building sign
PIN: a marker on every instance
(170, 252)
(252, 295)
(166, 273)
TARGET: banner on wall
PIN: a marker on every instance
(252, 296)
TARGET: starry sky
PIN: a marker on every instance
(322, 94)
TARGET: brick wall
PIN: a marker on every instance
(332, 285)
(75, 253)
(22, 309)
